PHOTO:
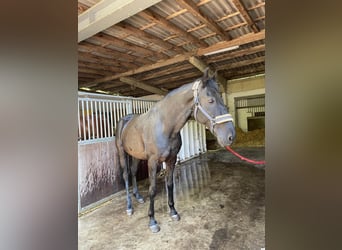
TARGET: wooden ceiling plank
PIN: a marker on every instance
(118, 55)
(242, 63)
(110, 40)
(236, 26)
(197, 28)
(176, 59)
(195, 11)
(135, 32)
(106, 13)
(228, 16)
(181, 58)
(202, 2)
(141, 85)
(252, 37)
(156, 18)
(180, 12)
(82, 56)
(166, 72)
(236, 73)
(99, 66)
(256, 6)
(240, 6)
(239, 53)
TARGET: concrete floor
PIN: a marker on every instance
(221, 201)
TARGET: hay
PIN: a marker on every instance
(255, 138)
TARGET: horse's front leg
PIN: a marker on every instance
(152, 171)
(169, 182)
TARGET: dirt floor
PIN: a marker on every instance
(221, 201)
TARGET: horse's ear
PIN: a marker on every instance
(205, 77)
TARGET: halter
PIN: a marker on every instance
(213, 120)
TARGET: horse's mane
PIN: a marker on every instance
(211, 85)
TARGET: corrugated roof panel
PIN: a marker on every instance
(185, 21)
(190, 47)
(241, 31)
(159, 32)
(137, 21)
(166, 7)
(217, 9)
(213, 39)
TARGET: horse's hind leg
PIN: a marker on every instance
(134, 169)
(124, 165)
(169, 181)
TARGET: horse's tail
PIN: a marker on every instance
(118, 139)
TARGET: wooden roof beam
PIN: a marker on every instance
(141, 85)
(195, 11)
(252, 37)
(243, 63)
(132, 31)
(110, 40)
(156, 18)
(88, 47)
(181, 58)
(176, 59)
(239, 53)
(106, 13)
(241, 8)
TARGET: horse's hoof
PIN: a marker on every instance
(155, 228)
(141, 200)
(129, 211)
(175, 217)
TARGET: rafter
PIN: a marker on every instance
(134, 32)
(181, 58)
(194, 10)
(104, 40)
(242, 63)
(238, 41)
(85, 56)
(106, 13)
(88, 47)
(239, 5)
(228, 16)
(235, 54)
(256, 6)
(231, 74)
(156, 18)
(157, 65)
(141, 85)
(202, 2)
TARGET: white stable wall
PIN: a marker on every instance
(241, 88)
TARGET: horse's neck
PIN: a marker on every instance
(178, 108)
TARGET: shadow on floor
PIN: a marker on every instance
(221, 201)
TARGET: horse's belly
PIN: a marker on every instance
(134, 147)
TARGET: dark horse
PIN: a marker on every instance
(155, 135)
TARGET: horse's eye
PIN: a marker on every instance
(211, 100)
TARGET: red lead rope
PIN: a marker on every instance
(244, 158)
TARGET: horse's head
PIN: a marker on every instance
(211, 111)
